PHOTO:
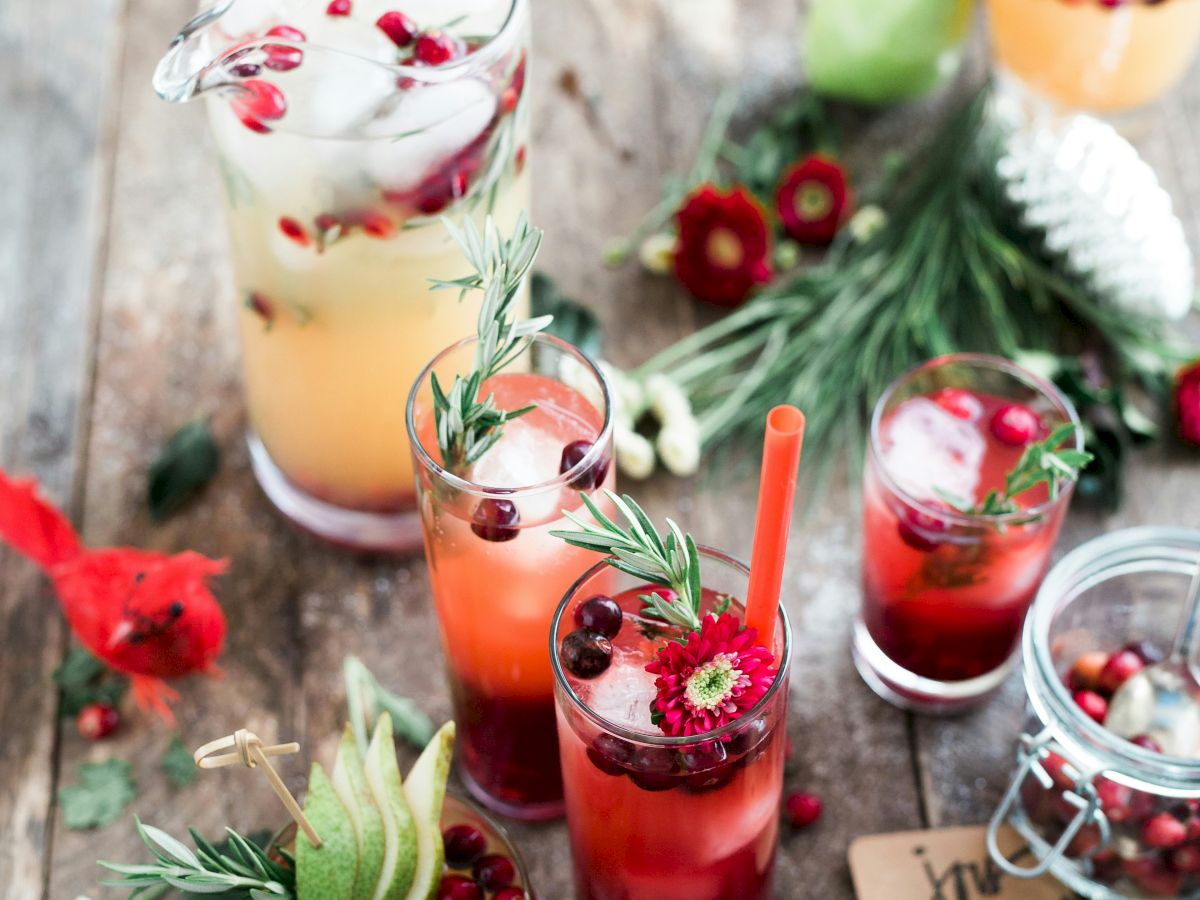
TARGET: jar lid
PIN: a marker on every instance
(1123, 580)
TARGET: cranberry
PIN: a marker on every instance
(1151, 875)
(245, 70)
(591, 477)
(611, 755)
(1163, 832)
(509, 100)
(960, 403)
(1106, 867)
(397, 26)
(1146, 652)
(802, 809)
(585, 654)
(748, 737)
(1115, 799)
(1186, 859)
(257, 101)
(519, 159)
(1093, 705)
(1146, 743)
(1056, 767)
(599, 614)
(97, 720)
(436, 47)
(496, 520)
(338, 8)
(510, 893)
(464, 844)
(1085, 842)
(495, 872)
(1193, 829)
(260, 306)
(708, 765)
(377, 225)
(282, 58)
(1120, 667)
(1015, 425)
(654, 770)
(1085, 672)
(288, 33)
(294, 230)
(921, 530)
(458, 887)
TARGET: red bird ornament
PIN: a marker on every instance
(147, 615)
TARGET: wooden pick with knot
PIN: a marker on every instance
(249, 750)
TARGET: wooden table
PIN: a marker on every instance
(117, 325)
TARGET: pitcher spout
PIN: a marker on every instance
(179, 74)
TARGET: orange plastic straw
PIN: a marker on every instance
(776, 491)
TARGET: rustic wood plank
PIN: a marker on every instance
(965, 763)
(53, 190)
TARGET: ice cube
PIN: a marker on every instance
(526, 455)
(623, 693)
(446, 118)
(928, 450)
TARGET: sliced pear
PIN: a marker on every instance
(399, 833)
(425, 788)
(350, 782)
(329, 870)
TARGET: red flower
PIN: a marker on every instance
(1187, 402)
(813, 199)
(724, 245)
(716, 677)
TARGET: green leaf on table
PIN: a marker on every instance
(104, 789)
(188, 462)
(82, 680)
(177, 763)
(573, 322)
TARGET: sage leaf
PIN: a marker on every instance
(188, 461)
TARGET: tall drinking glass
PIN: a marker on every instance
(653, 817)
(496, 572)
(945, 592)
(343, 131)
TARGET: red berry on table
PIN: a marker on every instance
(294, 230)
(458, 887)
(1016, 425)
(496, 520)
(1163, 832)
(1085, 671)
(1121, 666)
(338, 8)
(464, 844)
(1093, 705)
(802, 809)
(495, 872)
(1187, 402)
(97, 720)
(1146, 743)
(960, 403)
(585, 654)
(396, 25)
(434, 48)
(600, 614)
(258, 102)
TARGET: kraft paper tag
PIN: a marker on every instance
(944, 864)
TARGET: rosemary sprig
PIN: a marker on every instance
(640, 551)
(1044, 462)
(244, 871)
(467, 426)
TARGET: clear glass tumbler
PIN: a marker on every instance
(495, 570)
(653, 817)
(945, 591)
(343, 131)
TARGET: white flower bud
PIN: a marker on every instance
(657, 253)
(575, 374)
(678, 445)
(864, 223)
(635, 454)
(628, 397)
(667, 399)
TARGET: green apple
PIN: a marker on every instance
(425, 788)
(350, 782)
(400, 836)
(329, 870)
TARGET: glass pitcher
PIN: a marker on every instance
(344, 130)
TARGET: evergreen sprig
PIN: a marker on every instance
(467, 426)
(244, 871)
(1043, 462)
(640, 551)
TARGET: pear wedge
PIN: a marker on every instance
(399, 834)
(329, 870)
(425, 788)
(350, 782)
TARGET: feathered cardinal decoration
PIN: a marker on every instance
(147, 615)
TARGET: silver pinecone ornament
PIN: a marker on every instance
(1100, 208)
